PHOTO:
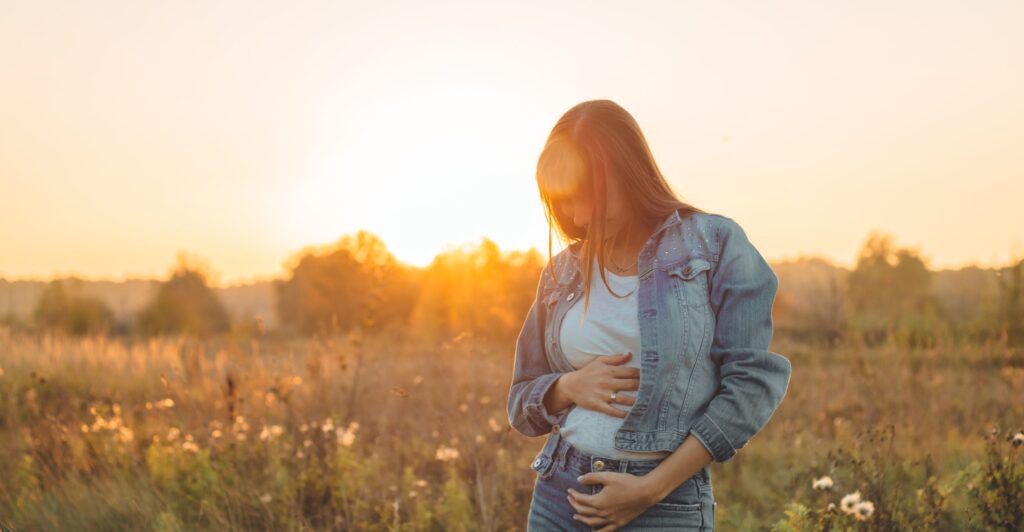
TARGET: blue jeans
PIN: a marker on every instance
(691, 506)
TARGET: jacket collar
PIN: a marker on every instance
(671, 219)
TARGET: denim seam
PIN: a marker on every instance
(724, 435)
(707, 445)
(534, 401)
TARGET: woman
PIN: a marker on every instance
(644, 356)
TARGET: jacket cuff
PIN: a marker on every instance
(535, 401)
(711, 436)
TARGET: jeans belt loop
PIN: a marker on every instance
(552, 444)
(562, 451)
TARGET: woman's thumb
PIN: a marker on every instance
(621, 357)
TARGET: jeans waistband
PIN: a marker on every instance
(563, 454)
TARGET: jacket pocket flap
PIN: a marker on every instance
(690, 269)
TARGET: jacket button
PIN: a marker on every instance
(536, 462)
(599, 465)
(555, 428)
(571, 295)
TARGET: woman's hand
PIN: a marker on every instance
(592, 385)
(623, 497)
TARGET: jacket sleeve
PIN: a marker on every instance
(532, 375)
(753, 379)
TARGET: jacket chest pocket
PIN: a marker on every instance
(689, 281)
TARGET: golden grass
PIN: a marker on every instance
(391, 433)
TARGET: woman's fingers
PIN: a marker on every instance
(625, 384)
(593, 521)
(625, 373)
(625, 399)
(588, 514)
(607, 408)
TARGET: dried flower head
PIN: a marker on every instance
(822, 483)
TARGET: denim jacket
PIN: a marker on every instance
(704, 305)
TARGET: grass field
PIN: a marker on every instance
(385, 433)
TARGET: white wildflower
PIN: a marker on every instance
(446, 453)
(848, 502)
(347, 437)
(862, 510)
(822, 483)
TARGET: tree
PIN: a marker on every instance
(185, 304)
(1011, 302)
(63, 307)
(355, 281)
(890, 293)
(477, 289)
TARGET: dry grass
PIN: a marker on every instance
(392, 434)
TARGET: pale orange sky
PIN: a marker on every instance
(241, 132)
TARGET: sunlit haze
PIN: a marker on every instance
(242, 132)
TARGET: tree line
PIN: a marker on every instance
(890, 296)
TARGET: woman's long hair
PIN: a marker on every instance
(592, 143)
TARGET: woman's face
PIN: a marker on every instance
(580, 207)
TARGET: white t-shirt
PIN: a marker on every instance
(610, 327)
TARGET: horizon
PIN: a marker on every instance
(466, 245)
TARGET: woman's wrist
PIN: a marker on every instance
(686, 461)
(559, 396)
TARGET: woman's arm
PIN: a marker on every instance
(557, 399)
(532, 376)
(690, 457)
(752, 383)
(753, 379)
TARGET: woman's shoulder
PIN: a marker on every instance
(562, 263)
(718, 226)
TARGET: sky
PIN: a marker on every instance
(241, 132)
